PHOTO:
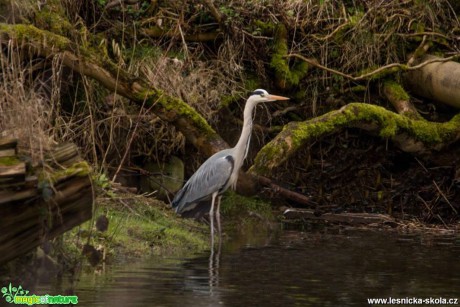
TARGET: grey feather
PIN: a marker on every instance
(212, 176)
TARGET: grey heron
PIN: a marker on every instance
(220, 171)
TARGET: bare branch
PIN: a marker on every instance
(218, 16)
(379, 70)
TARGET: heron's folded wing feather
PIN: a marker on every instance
(211, 177)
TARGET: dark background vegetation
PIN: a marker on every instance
(211, 55)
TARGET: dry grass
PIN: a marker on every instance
(200, 83)
(110, 132)
(27, 103)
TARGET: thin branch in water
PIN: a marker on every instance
(444, 196)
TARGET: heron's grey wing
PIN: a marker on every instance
(212, 176)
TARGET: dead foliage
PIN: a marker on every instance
(210, 54)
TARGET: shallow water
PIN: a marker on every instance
(318, 268)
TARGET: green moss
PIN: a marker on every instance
(31, 34)
(9, 161)
(252, 82)
(295, 135)
(358, 88)
(52, 17)
(356, 16)
(178, 106)
(427, 132)
(417, 27)
(234, 205)
(267, 28)
(142, 227)
(228, 100)
(158, 231)
(287, 75)
(81, 168)
(53, 22)
(396, 90)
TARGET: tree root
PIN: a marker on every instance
(416, 136)
(400, 100)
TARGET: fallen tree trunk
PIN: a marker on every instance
(411, 135)
(438, 81)
(36, 207)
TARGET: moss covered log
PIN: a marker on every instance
(91, 63)
(438, 81)
(411, 135)
(400, 100)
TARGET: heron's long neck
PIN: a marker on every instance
(241, 148)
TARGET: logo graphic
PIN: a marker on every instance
(18, 295)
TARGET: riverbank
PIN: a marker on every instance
(128, 227)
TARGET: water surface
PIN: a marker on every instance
(318, 268)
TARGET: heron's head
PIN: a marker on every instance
(261, 95)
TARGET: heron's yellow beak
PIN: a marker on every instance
(275, 98)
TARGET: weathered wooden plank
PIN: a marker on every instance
(12, 174)
(30, 213)
(7, 143)
(63, 155)
(10, 152)
(40, 220)
(18, 169)
(31, 181)
(7, 196)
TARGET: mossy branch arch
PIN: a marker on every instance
(416, 136)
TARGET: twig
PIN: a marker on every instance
(444, 196)
(284, 111)
(129, 143)
(421, 50)
(345, 24)
(426, 205)
(286, 193)
(374, 72)
(214, 11)
(423, 33)
(437, 187)
(256, 36)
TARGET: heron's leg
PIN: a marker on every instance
(219, 228)
(211, 217)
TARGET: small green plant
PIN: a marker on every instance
(101, 3)
(103, 182)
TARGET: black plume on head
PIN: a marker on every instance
(257, 92)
